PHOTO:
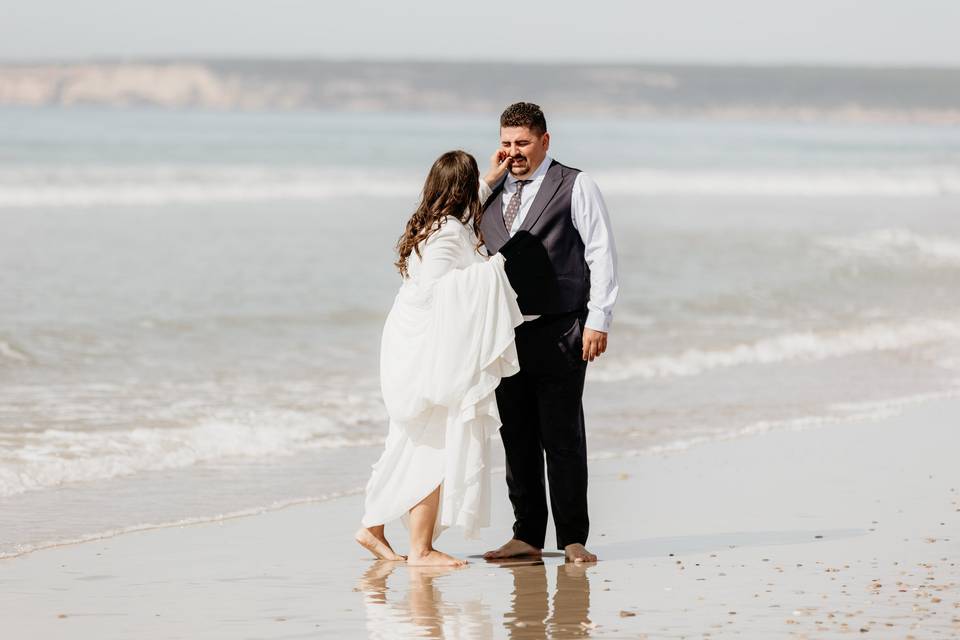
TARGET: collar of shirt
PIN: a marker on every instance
(511, 184)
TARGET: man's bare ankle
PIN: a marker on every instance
(524, 542)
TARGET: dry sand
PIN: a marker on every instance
(840, 531)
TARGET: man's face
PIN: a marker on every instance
(525, 147)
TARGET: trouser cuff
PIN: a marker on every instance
(532, 538)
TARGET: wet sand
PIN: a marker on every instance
(844, 530)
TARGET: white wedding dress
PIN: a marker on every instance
(447, 342)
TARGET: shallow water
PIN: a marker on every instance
(190, 304)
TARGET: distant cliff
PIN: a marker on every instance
(796, 93)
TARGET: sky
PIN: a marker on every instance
(846, 32)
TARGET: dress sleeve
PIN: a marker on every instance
(485, 191)
(441, 252)
(451, 343)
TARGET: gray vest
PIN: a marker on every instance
(558, 281)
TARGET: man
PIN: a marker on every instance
(551, 223)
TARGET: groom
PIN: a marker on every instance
(550, 222)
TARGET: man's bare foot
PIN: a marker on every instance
(513, 549)
(373, 540)
(434, 558)
(576, 552)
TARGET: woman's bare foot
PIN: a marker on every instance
(513, 549)
(576, 552)
(434, 558)
(373, 540)
(373, 582)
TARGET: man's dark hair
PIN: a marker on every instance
(524, 114)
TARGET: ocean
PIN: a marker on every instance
(191, 301)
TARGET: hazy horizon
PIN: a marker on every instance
(884, 33)
(390, 60)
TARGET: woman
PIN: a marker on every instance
(447, 342)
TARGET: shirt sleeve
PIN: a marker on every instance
(592, 221)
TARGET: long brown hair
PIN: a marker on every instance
(451, 189)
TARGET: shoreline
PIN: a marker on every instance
(823, 531)
(869, 411)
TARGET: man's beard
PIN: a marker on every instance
(522, 168)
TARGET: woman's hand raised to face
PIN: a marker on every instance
(499, 165)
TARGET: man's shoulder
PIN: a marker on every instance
(564, 169)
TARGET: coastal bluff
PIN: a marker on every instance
(929, 95)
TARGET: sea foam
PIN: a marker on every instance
(10, 352)
(150, 185)
(834, 414)
(898, 243)
(55, 457)
(795, 346)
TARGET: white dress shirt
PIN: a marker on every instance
(592, 222)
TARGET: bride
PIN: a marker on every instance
(447, 342)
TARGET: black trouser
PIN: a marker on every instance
(542, 412)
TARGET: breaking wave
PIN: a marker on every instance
(808, 346)
(54, 457)
(898, 243)
(148, 185)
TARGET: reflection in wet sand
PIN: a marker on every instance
(530, 615)
(422, 611)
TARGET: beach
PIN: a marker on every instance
(836, 530)
(192, 306)
(199, 256)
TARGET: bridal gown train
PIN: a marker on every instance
(447, 342)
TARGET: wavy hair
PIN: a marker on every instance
(450, 190)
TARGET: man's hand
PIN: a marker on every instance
(594, 343)
(500, 163)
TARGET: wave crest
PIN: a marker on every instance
(808, 346)
(54, 457)
(86, 186)
(10, 352)
(897, 243)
